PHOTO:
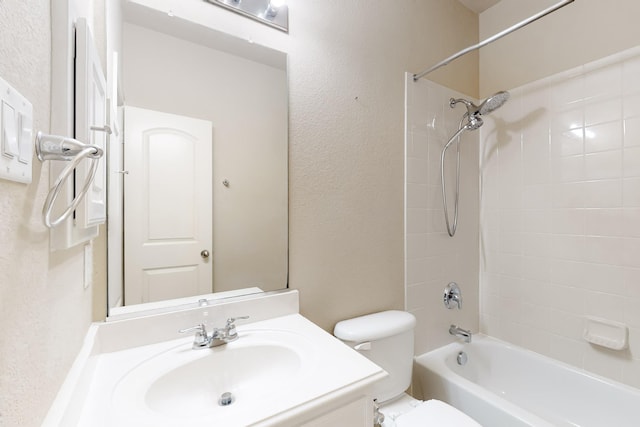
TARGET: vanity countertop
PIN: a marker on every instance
(291, 368)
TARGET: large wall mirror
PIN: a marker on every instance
(198, 195)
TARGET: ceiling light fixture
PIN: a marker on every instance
(273, 8)
(274, 13)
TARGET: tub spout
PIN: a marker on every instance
(456, 331)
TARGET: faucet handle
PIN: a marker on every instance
(201, 338)
(453, 296)
(230, 328)
(231, 320)
(199, 328)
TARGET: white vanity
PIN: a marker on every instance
(282, 370)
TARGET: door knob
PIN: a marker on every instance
(204, 254)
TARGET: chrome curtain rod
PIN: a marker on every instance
(493, 38)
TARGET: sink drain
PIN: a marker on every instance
(226, 399)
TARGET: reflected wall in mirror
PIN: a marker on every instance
(202, 168)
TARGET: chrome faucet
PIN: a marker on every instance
(465, 334)
(218, 337)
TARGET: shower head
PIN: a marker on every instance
(494, 102)
(474, 112)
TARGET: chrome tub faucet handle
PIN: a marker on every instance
(453, 296)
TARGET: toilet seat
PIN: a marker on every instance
(430, 413)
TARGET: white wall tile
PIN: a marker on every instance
(604, 222)
(632, 131)
(567, 142)
(631, 160)
(567, 325)
(568, 221)
(630, 252)
(417, 195)
(417, 146)
(416, 220)
(632, 282)
(631, 192)
(630, 73)
(631, 374)
(602, 194)
(567, 350)
(604, 250)
(602, 111)
(631, 105)
(604, 362)
(567, 119)
(568, 169)
(416, 171)
(604, 82)
(416, 245)
(568, 195)
(433, 258)
(603, 137)
(631, 221)
(557, 250)
(605, 165)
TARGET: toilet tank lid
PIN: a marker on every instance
(375, 326)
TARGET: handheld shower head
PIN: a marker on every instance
(494, 102)
(474, 121)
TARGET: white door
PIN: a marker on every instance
(168, 206)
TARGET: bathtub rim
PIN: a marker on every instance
(435, 361)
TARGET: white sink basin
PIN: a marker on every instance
(282, 371)
(261, 367)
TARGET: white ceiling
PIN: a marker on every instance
(478, 6)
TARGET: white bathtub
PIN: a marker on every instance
(504, 385)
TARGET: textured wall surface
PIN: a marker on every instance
(561, 215)
(433, 258)
(347, 65)
(44, 311)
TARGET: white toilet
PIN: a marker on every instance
(387, 339)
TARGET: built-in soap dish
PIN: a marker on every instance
(606, 333)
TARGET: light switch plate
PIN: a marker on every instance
(16, 135)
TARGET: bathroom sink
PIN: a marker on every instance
(280, 372)
(259, 368)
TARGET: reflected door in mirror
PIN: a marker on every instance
(168, 206)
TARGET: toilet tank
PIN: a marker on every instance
(386, 338)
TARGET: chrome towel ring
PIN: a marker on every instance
(53, 147)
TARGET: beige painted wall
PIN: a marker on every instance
(347, 64)
(44, 310)
(581, 32)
